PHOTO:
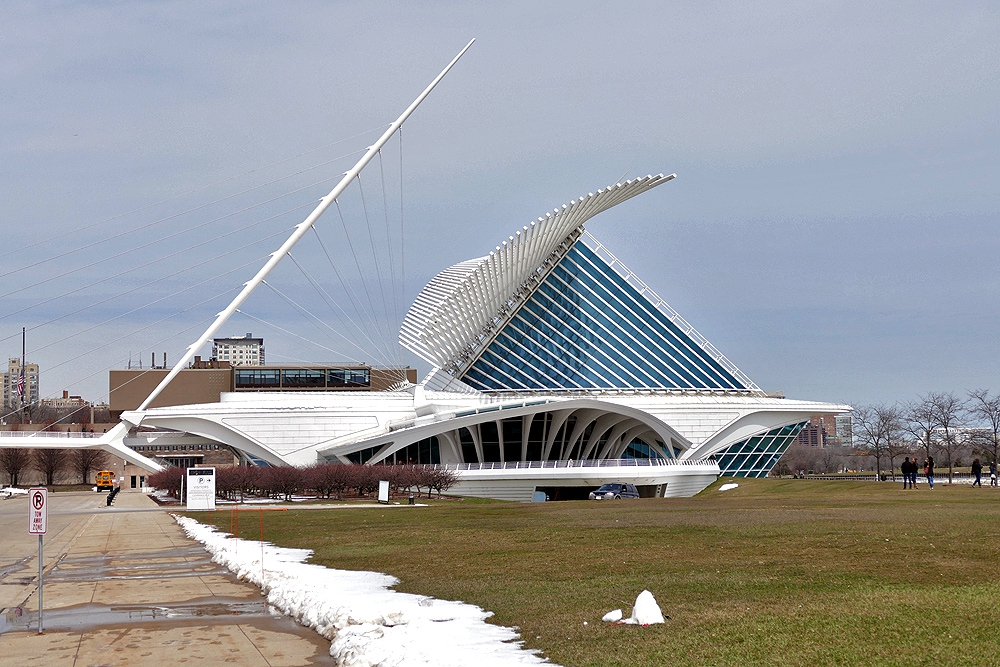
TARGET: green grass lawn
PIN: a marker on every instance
(776, 572)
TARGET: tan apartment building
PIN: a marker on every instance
(11, 399)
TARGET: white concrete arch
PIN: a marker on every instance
(601, 417)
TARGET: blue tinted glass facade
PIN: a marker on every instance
(756, 456)
(585, 327)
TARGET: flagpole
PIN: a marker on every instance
(22, 382)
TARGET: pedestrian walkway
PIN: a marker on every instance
(125, 586)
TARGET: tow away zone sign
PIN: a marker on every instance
(38, 508)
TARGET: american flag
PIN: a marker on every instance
(20, 384)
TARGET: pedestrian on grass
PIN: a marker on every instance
(993, 473)
(913, 473)
(929, 470)
(905, 469)
(977, 470)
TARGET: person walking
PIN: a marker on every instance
(905, 469)
(929, 471)
(993, 473)
(977, 470)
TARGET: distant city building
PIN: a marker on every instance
(812, 435)
(67, 402)
(239, 350)
(845, 430)
(11, 379)
(826, 431)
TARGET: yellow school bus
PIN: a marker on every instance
(105, 480)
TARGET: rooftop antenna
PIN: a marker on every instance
(300, 231)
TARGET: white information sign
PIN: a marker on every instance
(383, 491)
(38, 508)
(200, 488)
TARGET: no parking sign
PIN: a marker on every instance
(38, 510)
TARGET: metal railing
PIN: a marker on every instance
(940, 476)
(589, 463)
(50, 434)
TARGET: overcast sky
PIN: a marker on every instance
(832, 228)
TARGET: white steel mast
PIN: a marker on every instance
(300, 231)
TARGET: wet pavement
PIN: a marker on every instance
(127, 587)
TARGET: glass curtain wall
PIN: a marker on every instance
(585, 327)
(756, 456)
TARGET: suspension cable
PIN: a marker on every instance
(291, 333)
(315, 321)
(388, 238)
(184, 250)
(357, 263)
(144, 306)
(21, 249)
(371, 239)
(165, 238)
(118, 236)
(344, 317)
(402, 236)
(351, 294)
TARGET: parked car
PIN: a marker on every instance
(614, 491)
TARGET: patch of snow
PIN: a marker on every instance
(730, 485)
(612, 616)
(367, 622)
(645, 611)
(13, 491)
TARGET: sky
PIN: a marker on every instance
(832, 227)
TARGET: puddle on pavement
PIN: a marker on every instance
(90, 616)
(181, 562)
(14, 567)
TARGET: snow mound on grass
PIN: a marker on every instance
(612, 616)
(368, 623)
(730, 485)
(645, 611)
(13, 491)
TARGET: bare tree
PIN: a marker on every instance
(875, 428)
(801, 457)
(282, 481)
(85, 461)
(49, 462)
(831, 458)
(986, 410)
(440, 480)
(948, 411)
(920, 422)
(14, 461)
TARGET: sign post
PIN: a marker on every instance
(38, 514)
(200, 488)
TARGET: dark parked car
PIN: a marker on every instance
(614, 491)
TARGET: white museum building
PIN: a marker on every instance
(553, 367)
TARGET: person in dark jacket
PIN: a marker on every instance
(993, 473)
(977, 470)
(905, 468)
(929, 471)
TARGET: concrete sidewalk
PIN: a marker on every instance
(128, 588)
